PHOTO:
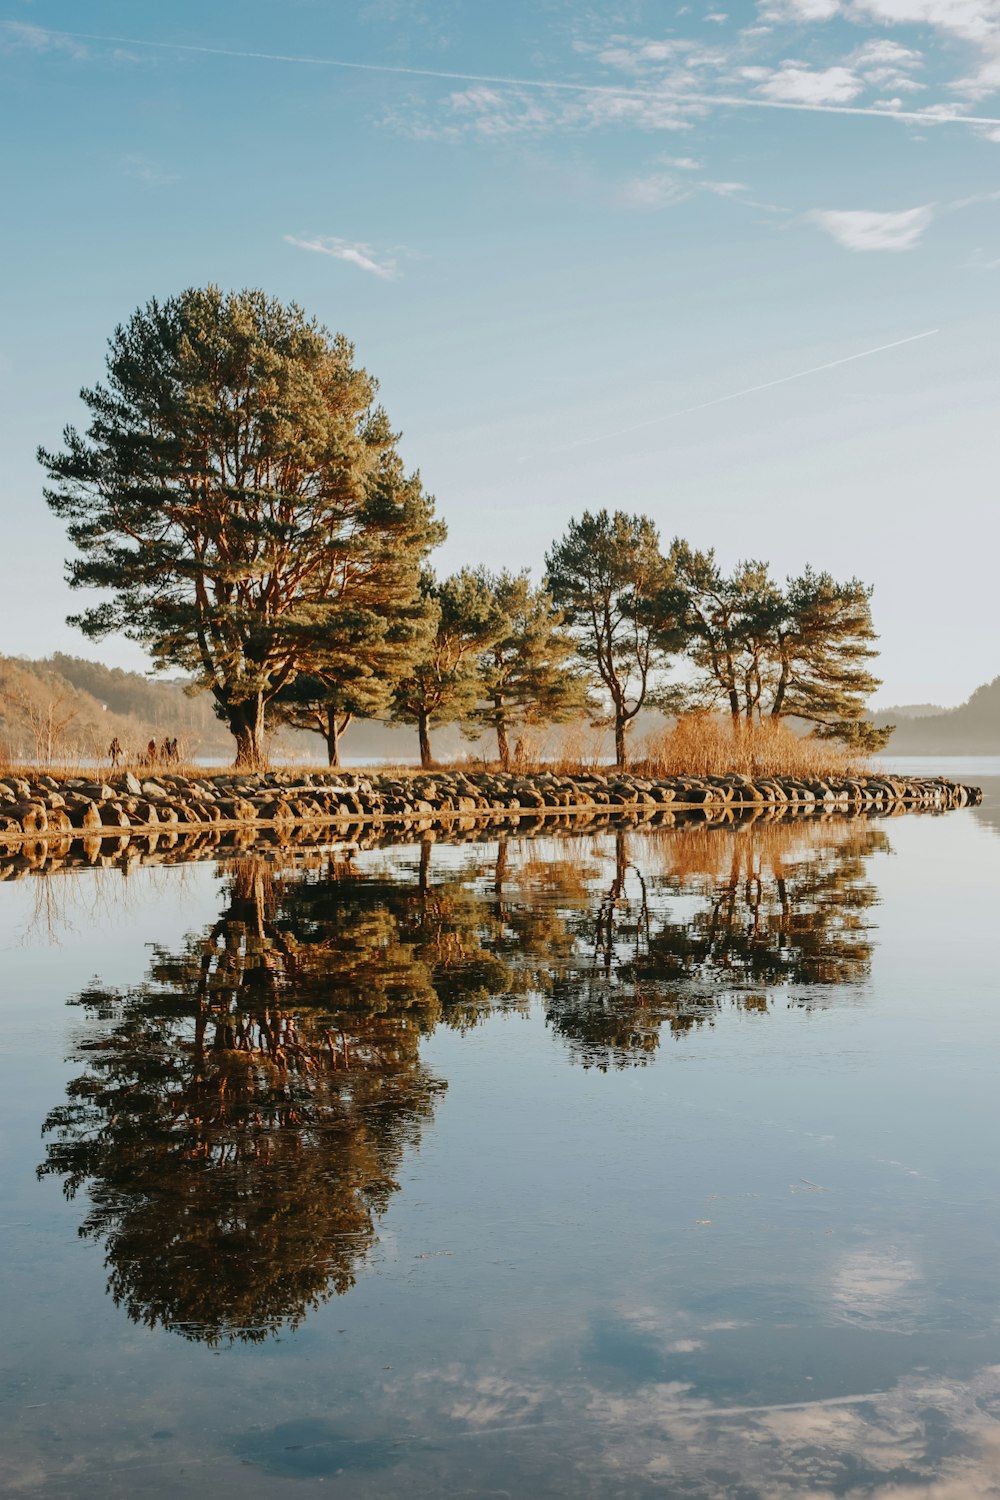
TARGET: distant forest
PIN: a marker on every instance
(66, 707)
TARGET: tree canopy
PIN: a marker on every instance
(801, 651)
(239, 499)
(444, 682)
(529, 674)
(610, 578)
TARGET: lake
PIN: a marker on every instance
(650, 1163)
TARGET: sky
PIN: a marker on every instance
(735, 266)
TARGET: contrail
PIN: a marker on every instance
(749, 390)
(732, 101)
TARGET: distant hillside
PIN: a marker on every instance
(65, 708)
(68, 708)
(893, 712)
(971, 729)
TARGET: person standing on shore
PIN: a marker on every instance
(115, 752)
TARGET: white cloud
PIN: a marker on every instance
(859, 229)
(799, 85)
(357, 254)
(885, 51)
(887, 65)
(801, 10)
(975, 20)
(636, 55)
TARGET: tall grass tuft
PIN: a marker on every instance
(702, 744)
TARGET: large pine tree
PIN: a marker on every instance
(238, 498)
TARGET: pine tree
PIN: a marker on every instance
(798, 652)
(528, 674)
(444, 683)
(371, 643)
(610, 578)
(238, 495)
(824, 643)
(730, 621)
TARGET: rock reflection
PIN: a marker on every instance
(243, 1113)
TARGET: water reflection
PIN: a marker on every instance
(697, 921)
(241, 1115)
(243, 1112)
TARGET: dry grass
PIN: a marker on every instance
(697, 745)
(706, 745)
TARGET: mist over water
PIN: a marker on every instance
(630, 1164)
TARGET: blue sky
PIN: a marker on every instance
(559, 234)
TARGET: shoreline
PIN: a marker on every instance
(60, 811)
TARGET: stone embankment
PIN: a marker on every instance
(281, 802)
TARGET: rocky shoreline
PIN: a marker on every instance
(285, 803)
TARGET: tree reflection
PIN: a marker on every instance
(768, 910)
(243, 1113)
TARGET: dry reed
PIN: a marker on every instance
(703, 744)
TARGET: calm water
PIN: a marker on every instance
(639, 1165)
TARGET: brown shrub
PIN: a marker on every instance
(702, 744)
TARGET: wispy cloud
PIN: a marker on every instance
(669, 103)
(25, 37)
(354, 253)
(800, 10)
(860, 229)
(655, 190)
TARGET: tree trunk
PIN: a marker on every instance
(331, 734)
(621, 751)
(246, 721)
(425, 740)
(503, 745)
